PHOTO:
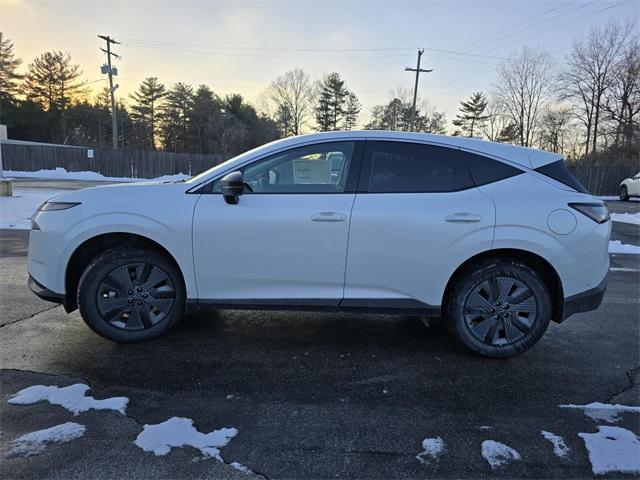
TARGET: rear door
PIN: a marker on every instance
(416, 217)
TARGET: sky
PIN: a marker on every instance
(241, 46)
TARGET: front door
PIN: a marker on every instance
(286, 239)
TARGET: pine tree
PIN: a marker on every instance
(284, 121)
(9, 63)
(205, 116)
(472, 114)
(146, 107)
(330, 109)
(176, 117)
(351, 111)
(54, 82)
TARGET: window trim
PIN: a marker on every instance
(367, 163)
(350, 185)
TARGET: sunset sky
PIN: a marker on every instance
(240, 46)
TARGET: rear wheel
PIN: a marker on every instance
(500, 308)
(131, 294)
(624, 193)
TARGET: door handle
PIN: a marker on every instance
(328, 217)
(463, 217)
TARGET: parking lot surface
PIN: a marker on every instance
(316, 395)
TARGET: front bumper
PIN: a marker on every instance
(585, 301)
(43, 292)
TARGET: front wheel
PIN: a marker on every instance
(130, 294)
(624, 193)
(500, 308)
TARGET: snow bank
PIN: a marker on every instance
(498, 454)
(36, 442)
(180, 432)
(72, 398)
(616, 246)
(612, 449)
(633, 218)
(62, 174)
(606, 412)
(614, 197)
(16, 211)
(559, 447)
(433, 448)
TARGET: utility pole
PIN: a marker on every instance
(415, 88)
(111, 71)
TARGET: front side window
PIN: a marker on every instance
(398, 167)
(320, 168)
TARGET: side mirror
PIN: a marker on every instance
(232, 186)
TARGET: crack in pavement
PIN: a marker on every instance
(633, 375)
(31, 316)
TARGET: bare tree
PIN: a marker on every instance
(292, 93)
(554, 124)
(592, 67)
(523, 89)
(622, 100)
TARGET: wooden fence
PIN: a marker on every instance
(110, 163)
(150, 164)
(603, 180)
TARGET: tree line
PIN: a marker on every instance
(587, 107)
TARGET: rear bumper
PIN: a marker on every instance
(585, 301)
(43, 292)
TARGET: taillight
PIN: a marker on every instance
(597, 212)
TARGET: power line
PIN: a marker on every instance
(111, 71)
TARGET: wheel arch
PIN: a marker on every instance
(541, 266)
(93, 246)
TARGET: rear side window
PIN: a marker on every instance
(485, 170)
(559, 172)
(398, 167)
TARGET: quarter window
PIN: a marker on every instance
(398, 167)
(485, 170)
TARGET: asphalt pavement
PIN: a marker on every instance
(316, 395)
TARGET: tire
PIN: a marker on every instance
(131, 294)
(624, 193)
(499, 308)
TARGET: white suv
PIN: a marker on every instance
(496, 239)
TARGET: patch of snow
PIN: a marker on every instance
(485, 427)
(623, 269)
(498, 454)
(16, 211)
(612, 449)
(239, 466)
(616, 246)
(614, 198)
(63, 174)
(433, 448)
(36, 442)
(180, 432)
(559, 447)
(73, 398)
(633, 218)
(603, 411)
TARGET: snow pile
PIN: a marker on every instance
(16, 211)
(36, 442)
(498, 454)
(616, 246)
(613, 449)
(180, 432)
(62, 174)
(603, 411)
(239, 466)
(433, 448)
(559, 447)
(633, 218)
(72, 398)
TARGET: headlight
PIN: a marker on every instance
(597, 212)
(48, 206)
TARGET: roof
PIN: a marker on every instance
(527, 157)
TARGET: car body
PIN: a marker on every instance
(351, 221)
(630, 187)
